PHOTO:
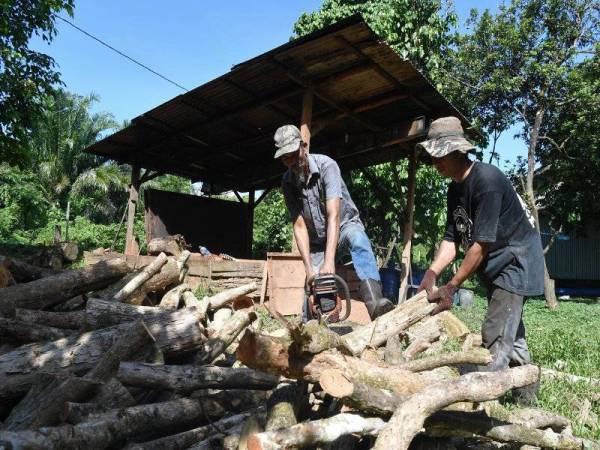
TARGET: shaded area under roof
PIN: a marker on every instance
(370, 106)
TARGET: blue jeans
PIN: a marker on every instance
(354, 241)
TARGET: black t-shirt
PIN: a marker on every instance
(486, 208)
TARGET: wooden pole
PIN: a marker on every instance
(408, 228)
(305, 127)
(251, 206)
(131, 246)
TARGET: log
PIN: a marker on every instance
(360, 396)
(393, 350)
(451, 423)
(171, 299)
(282, 405)
(23, 272)
(62, 286)
(421, 335)
(272, 354)
(68, 320)
(313, 338)
(69, 250)
(223, 338)
(316, 432)
(74, 412)
(104, 313)
(43, 407)
(220, 318)
(20, 331)
(107, 429)
(186, 379)
(223, 298)
(550, 373)
(171, 245)
(188, 438)
(143, 276)
(478, 356)
(390, 324)
(408, 420)
(175, 333)
(113, 394)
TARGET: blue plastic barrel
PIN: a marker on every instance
(390, 283)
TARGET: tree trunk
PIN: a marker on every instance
(186, 379)
(477, 356)
(113, 394)
(271, 354)
(282, 405)
(69, 250)
(24, 332)
(171, 245)
(392, 323)
(228, 296)
(58, 288)
(68, 320)
(172, 299)
(549, 293)
(23, 272)
(408, 420)
(104, 313)
(315, 432)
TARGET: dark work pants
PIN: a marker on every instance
(503, 331)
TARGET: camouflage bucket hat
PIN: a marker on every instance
(444, 137)
(287, 140)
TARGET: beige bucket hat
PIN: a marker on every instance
(445, 136)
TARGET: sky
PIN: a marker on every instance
(188, 41)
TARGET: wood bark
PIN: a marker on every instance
(220, 318)
(223, 298)
(23, 272)
(20, 331)
(189, 378)
(273, 355)
(175, 333)
(223, 338)
(315, 432)
(113, 394)
(171, 245)
(191, 437)
(74, 412)
(450, 423)
(392, 323)
(393, 353)
(143, 276)
(172, 299)
(408, 420)
(57, 288)
(68, 320)
(69, 250)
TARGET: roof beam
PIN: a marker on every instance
(307, 83)
(384, 73)
(272, 107)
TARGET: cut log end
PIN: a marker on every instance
(336, 384)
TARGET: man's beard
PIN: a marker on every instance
(299, 169)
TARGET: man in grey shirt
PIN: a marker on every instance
(325, 219)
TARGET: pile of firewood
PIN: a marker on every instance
(103, 357)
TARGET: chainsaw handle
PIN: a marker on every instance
(344, 285)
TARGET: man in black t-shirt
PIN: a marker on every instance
(488, 219)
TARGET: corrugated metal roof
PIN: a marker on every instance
(366, 98)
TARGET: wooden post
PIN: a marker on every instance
(251, 205)
(408, 227)
(305, 125)
(131, 246)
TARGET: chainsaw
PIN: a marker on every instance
(324, 300)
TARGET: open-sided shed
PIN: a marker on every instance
(353, 96)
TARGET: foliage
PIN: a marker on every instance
(26, 76)
(566, 339)
(272, 227)
(22, 201)
(58, 140)
(417, 30)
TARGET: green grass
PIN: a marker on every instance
(567, 339)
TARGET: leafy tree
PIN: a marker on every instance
(26, 76)
(63, 130)
(272, 227)
(517, 64)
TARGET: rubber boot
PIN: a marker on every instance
(371, 294)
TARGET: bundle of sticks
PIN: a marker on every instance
(103, 357)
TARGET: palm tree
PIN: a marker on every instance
(58, 139)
